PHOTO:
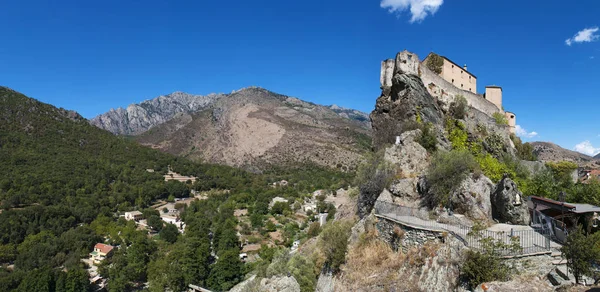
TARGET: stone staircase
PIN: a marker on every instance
(560, 275)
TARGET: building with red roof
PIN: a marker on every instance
(101, 252)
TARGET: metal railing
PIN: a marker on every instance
(523, 242)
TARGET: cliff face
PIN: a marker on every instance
(138, 118)
(404, 100)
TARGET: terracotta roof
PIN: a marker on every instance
(552, 202)
(103, 248)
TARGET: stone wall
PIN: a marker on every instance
(405, 237)
(446, 92)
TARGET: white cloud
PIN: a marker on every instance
(521, 132)
(585, 35)
(586, 147)
(419, 9)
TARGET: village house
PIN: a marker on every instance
(585, 176)
(277, 200)
(134, 215)
(101, 252)
(559, 218)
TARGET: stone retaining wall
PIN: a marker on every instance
(405, 237)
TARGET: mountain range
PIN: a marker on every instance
(251, 127)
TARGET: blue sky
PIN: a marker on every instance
(91, 56)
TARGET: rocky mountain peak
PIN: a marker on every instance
(138, 118)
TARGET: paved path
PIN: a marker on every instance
(531, 242)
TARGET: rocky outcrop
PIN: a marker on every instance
(508, 204)
(138, 118)
(404, 192)
(472, 198)
(404, 103)
(325, 283)
(407, 154)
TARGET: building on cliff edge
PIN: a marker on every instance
(445, 79)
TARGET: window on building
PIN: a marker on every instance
(452, 80)
(512, 117)
(452, 66)
(469, 77)
(470, 89)
(461, 86)
(461, 72)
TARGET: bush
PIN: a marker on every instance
(270, 226)
(280, 208)
(457, 134)
(494, 144)
(279, 264)
(373, 176)
(487, 265)
(458, 108)
(303, 271)
(435, 63)
(562, 171)
(524, 151)
(314, 229)
(446, 171)
(427, 139)
(481, 267)
(492, 167)
(334, 243)
(500, 118)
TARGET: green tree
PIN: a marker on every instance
(39, 280)
(77, 281)
(169, 233)
(8, 253)
(580, 253)
(227, 271)
(280, 208)
(334, 243)
(155, 223)
(228, 240)
(303, 271)
(257, 220)
(37, 251)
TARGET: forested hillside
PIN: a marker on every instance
(63, 183)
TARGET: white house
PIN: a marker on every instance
(134, 215)
(277, 200)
